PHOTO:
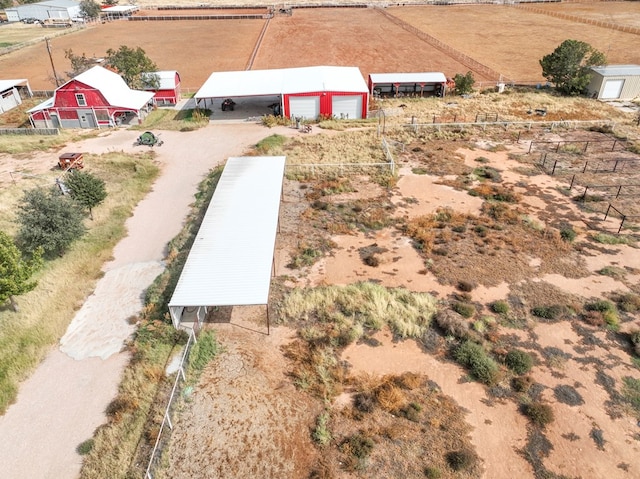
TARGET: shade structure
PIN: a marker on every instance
(231, 258)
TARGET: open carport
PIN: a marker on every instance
(411, 84)
(231, 260)
(307, 92)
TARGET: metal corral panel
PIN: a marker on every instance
(231, 258)
(606, 82)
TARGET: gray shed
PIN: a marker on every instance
(615, 82)
(54, 9)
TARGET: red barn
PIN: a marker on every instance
(307, 92)
(167, 89)
(95, 98)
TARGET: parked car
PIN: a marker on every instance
(30, 20)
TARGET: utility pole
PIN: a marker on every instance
(55, 75)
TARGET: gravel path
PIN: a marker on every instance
(63, 402)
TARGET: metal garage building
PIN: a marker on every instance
(231, 259)
(12, 92)
(56, 9)
(399, 84)
(307, 92)
(615, 82)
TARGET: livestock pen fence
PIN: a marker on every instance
(164, 432)
(480, 122)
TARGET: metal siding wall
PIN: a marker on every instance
(631, 88)
(326, 101)
(365, 101)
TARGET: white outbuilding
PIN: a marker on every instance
(231, 260)
(615, 82)
(12, 92)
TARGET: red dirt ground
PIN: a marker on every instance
(360, 37)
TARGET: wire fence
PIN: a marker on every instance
(527, 125)
(164, 433)
(29, 131)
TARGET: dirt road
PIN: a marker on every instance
(64, 400)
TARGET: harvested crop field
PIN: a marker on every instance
(512, 40)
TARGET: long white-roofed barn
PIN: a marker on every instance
(306, 92)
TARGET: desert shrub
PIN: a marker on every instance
(321, 434)
(539, 414)
(567, 395)
(466, 286)
(304, 256)
(461, 460)
(452, 324)
(85, 447)
(364, 402)
(628, 302)
(488, 172)
(465, 310)
(357, 448)
(120, 406)
(500, 307)
(411, 411)
(390, 397)
(601, 305)
(568, 234)
(520, 362)
(480, 364)
(521, 384)
(431, 472)
(634, 336)
(631, 392)
(606, 309)
(552, 312)
(371, 260)
(594, 318)
(605, 238)
(270, 143)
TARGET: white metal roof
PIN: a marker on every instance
(48, 103)
(427, 77)
(617, 70)
(7, 84)
(166, 78)
(231, 258)
(282, 81)
(120, 9)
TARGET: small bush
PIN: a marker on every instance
(600, 305)
(552, 312)
(475, 358)
(411, 412)
(568, 234)
(321, 434)
(364, 402)
(631, 392)
(628, 302)
(371, 260)
(605, 238)
(538, 413)
(519, 361)
(120, 406)
(85, 447)
(522, 384)
(452, 324)
(465, 310)
(466, 286)
(500, 307)
(461, 460)
(634, 336)
(358, 445)
(432, 473)
(605, 310)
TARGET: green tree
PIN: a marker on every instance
(568, 67)
(88, 190)
(79, 63)
(131, 64)
(15, 270)
(89, 9)
(48, 220)
(464, 83)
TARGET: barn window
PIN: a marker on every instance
(81, 100)
(102, 115)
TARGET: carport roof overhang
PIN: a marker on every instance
(282, 81)
(231, 258)
(427, 77)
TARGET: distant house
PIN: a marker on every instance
(54, 9)
(615, 82)
(12, 92)
(167, 89)
(93, 99)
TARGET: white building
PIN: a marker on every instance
(54, 9)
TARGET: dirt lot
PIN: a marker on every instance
(620, 13)
(578, 368)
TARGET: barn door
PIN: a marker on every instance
(347, 107)
(612, 89)
(87, 119)
(307, 107)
